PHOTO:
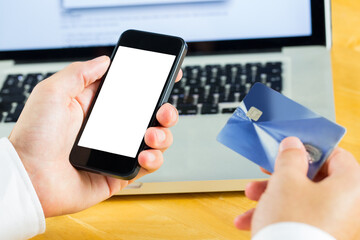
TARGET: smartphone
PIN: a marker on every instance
(140, 78)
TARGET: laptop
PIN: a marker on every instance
(232, 44)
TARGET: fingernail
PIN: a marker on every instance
(248, 185)
(151, 157)
(160, 135)
(161, 111)
(100, 59)
(171, 112)
(174, 115)
(290, 143)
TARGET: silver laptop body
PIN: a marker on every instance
(197, 162)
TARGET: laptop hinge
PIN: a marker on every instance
(27, 61)
(190, 53)
(245, 51)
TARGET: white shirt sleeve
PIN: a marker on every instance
(293, 231)
(21, 214)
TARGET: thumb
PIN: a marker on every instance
(292, 157)
(79, 75)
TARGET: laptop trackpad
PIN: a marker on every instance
(197, 156)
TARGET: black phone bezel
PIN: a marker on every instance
(118, 165)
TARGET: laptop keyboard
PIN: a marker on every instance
(210, 89)
(14, 93)
(214, 89)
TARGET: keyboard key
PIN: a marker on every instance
(14, 116)
(197, 90)
(3, 116)
(177, 91)
(191, 99)
(210, 109)
(226, 97)
(187, 109)
(193, 82)
(203, 99)
(276, 83)
(173, 99)
(180, 99)
(241, 97)
(277, 86)
(214, 98)
(4, 107)
(13, 80)
(252, 67)
(215, 89)
(9, 98)
(49, 75)
(228, 110)
(237, 88)
(12, 90)
(212, 81)
(11, 118)
(274, 67)
(33, 79)
(275, 78)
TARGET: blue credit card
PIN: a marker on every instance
(265, 117)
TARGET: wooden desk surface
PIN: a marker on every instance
(210, 216)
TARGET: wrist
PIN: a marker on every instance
(30, 170)
(21, 204)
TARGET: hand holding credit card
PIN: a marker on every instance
(265, 117)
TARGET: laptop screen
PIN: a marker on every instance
(61, 24)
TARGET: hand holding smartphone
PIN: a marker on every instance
(139, 80)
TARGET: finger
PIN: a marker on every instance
(265, 171)
(254, 190)
(86, 97)
(292, 157)
(179, 76)
(340, 162)
(77, 76)
(324, 170)
(116, 185)
(97, 187)
(150, 161)
(167, 115)
(158, 138)
(243, 221)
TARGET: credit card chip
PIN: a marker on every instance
(254, 114)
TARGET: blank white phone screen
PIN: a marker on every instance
(126, 102)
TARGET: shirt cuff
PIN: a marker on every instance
(22, 216)
(293, 231)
